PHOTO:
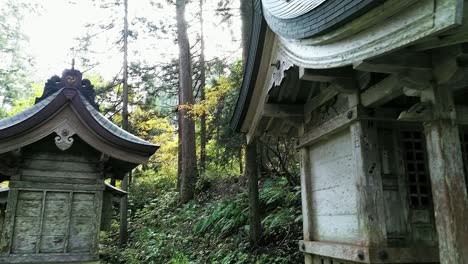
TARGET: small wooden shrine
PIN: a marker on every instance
(56, 156)
(375, 92)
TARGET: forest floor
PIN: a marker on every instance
(211, 229)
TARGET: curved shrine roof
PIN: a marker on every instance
(70, 89)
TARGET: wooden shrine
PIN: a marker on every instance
(376, 94)
(56, 156)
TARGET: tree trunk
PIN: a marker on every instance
(251, 170)
(123, 235)
(202, 93)
(241, 164)
(188, 173)
(246, 9)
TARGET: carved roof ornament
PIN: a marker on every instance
(279, 73)
(71, 78)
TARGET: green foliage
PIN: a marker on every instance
(213, 230)
(224, 219)
(14, 62)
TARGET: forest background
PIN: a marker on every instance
(132, 53)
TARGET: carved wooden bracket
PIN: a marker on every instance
(64, 139)
(281, 66)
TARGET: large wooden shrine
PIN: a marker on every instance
(56, 156)
(376, 93)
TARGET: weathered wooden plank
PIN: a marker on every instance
(48, 258)
(41, 221)
(29, 208)
(59, 166)
(51, 244)
(318, 100)
(382, 92)
(26, 225)
(98, 199)
(8, 226)
(24, 244)
(347, 253)
(58, 180)
(60, 174)
(358, 254)
(328, 128)
(36, 186)
(325, 75)
(283, 110)
(397, 62)
(68, 222)
(67, 157)
(82, 208)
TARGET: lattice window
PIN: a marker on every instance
(416, 169)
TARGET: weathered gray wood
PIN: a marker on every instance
(7, 235)
(58, 180)
(397, 62)
(306, 199)
(325, 75)
(318, 100)
(382, 92)
(59, 166)
(60, 174)
(41, 221)
(369, 182)
(336, 250)
(330, 127)
(283, 110)
(98, 200)
(106, 212)
(447, 180)
(48, 258)
(333, 190)
(346, 253)
(56, 186)
(67, 157)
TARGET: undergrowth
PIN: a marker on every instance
(213, 229)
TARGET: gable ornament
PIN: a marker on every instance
(64, 139)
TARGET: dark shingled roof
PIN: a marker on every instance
(320, 20)
(111, 127)
(26, 114)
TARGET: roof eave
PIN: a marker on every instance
(251, 68)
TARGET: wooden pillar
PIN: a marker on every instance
(447, 179)
(306, 198)
(123, 234)
(369, 181)
(106, 215)
(251, 170)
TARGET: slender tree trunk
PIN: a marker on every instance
(241, 164)
(123, 235)
(179, 149)
(246, 9)
(188, 174)
(202, 93)
(252, 170)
